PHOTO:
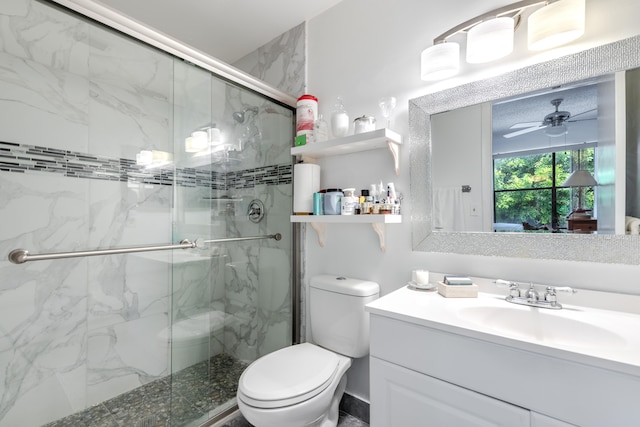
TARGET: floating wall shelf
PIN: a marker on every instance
(377, 222)
(374, 140)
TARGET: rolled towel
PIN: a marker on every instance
(632, 225)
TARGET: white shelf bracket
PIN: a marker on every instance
(320, 231)
(395, 152)
(378, 227)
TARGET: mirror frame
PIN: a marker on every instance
(615, 249)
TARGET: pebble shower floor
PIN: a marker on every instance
(172, 401)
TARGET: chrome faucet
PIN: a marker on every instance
(531, 297)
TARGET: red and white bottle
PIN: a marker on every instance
(306, 115)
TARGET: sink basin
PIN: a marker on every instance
(555, 328)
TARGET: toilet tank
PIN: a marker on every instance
(336, 311)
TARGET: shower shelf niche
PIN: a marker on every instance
(373, 140)
(377, 222)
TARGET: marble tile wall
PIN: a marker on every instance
(77, 103)
(281, 62)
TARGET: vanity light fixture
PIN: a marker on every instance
(556, 24)
(440, 61)
(490, 35)
(490, 40)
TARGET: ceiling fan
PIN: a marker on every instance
(553, 123)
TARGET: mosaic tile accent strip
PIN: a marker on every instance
(22, 158)
(171, 401)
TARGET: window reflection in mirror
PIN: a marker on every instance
(517, 155)
(529, 194)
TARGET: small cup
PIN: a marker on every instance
(420, 277)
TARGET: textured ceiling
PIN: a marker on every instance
(580, 100)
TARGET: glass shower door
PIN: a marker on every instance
(231, 301)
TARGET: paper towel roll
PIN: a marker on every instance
(306, 181)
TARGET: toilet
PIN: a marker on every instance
(301, 385)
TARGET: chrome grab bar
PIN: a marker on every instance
(20, 256)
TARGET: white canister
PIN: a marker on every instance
(339, 124)
(306, 114)
(339, 120)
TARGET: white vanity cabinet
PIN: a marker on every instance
(429, 368)
(402, 397)
(408, 398)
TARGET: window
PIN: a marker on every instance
(528, 191)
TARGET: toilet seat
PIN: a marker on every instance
(288, 376)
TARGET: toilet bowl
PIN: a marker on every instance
(294, 387)
(301, 385)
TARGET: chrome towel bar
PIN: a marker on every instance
(20, 256)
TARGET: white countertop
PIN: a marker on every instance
(601, 338)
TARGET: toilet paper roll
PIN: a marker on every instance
(306, 181)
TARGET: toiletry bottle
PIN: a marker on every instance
(348, 201)
(306, 115)
(318, 203)
(368, 204)
(364, 207)
(391, 193)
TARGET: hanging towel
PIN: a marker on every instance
(448, 209)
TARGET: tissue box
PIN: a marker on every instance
(458, 291)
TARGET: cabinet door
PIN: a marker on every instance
(402, 397)
(539, 420)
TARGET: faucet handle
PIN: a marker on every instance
(550, 294)
(514, 288)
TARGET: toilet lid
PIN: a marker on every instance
(288, 376)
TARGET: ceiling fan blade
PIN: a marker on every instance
(525, 125)
(523, 131)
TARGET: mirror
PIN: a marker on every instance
(590, 64)
(519, 153)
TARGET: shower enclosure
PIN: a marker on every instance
(106, 142)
